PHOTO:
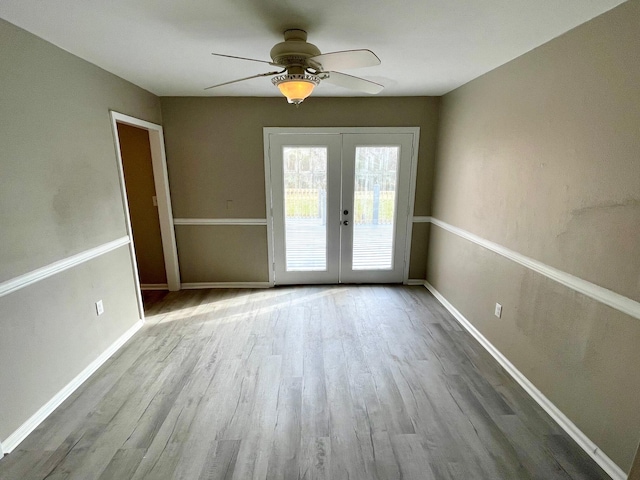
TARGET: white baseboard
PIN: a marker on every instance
(198, 285)
(153, 286)
(13, 440)
(608, 465)
(414, 281)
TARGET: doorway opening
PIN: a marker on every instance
(146, 200)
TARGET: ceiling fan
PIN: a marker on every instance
(303, 67)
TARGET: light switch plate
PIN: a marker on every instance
(498, 311)
(99, 307)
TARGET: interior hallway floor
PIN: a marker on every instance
(322, 382)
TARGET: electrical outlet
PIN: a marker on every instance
(99, 307)
(498, 311)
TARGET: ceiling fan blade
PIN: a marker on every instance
(346, 60)
(242, 58)
(245, 78)
(354, 83)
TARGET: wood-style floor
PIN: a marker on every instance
(329, 382)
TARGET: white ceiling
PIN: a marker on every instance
(427, 47)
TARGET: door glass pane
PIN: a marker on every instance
(374, 207)
(305, 205)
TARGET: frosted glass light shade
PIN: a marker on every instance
(296, 87)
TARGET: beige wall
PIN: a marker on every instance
(59, 196)
(236, 253)
(419, 251)
(541, 156)
(215, 154)
(50, 331)
(145, 223)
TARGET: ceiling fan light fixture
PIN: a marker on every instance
(296, 87)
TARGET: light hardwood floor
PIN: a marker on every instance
(328, 382)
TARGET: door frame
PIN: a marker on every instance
(266, 131)
(161, 182)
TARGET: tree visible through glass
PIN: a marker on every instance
(305, 204)
(374, 207)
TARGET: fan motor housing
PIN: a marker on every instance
(295, 49)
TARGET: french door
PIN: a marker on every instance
(340, 204)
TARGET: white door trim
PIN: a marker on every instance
(339, 130)
(161, 181)
(412, 200)
(268, 204)
(266, 131)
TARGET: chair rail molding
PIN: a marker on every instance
(219, 221)
(24, 280)
(603, 295)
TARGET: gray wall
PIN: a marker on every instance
(59, 196)
(215, 153)
(541, 156)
